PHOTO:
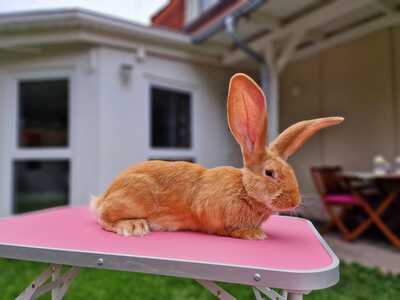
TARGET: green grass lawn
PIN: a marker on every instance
(356, 283)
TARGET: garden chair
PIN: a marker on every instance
(334, 193)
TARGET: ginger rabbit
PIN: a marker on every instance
(170, 196)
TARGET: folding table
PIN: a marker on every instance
(294, 258)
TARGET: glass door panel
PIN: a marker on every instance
(41, 173)
(40, 184)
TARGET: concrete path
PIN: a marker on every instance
(366, 253)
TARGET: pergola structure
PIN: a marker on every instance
(281, 31)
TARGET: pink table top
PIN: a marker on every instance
(292, 244)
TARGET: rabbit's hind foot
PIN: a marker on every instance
(249, 234)
(136, 227)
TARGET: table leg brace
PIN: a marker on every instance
(270, 293)
(58, 285)
(60, 282)
(216, 290)
(259, 292)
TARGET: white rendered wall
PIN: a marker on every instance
(4, 178)
(110, 121)
(125, 112)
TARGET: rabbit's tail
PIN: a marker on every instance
(95, 202)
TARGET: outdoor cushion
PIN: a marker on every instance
(340, 198)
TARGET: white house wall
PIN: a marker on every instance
(124, 111)
(83, 119)
(110, 121)
(4, 178)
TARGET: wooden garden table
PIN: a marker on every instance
(390, 183)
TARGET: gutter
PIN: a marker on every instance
(228, 24)
(264, 74)
(82, 18)
(220, 26)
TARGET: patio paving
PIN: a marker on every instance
(367, 253)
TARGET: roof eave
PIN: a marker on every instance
(85, 19)
(31, 30)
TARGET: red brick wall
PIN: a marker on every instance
(171, 16)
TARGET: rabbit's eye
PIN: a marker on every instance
(269, 173)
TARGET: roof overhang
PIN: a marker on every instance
(295, 29)
(31, 32)
(292, 29)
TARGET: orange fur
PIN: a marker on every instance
(159, 195)
(181, 195)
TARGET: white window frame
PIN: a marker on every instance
(179, 86)
(14, 152)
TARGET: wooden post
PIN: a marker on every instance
(273, 93)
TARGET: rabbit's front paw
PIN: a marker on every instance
(249, 234)
(138, 227)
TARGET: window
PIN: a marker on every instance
(188, 159)
(170, 118)
(43, 113)
(40, 184)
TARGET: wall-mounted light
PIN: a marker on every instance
(125, 73)
(141, 54)
(296, 90)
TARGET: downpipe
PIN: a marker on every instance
(230, 23)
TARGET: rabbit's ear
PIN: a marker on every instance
(296, 135)
(247, 116)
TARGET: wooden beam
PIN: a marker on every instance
(273, 92)
(270, 56)
(316, 35)
(315, 19)
(352, 34)
(385, 7)
(267, 20)
(289, 49)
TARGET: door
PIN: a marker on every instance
(39, 161)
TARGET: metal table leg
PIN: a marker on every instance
(51, 280)
(216, 290)
(296, 295)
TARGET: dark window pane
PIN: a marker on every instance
(188, 159)
(40, 184)
(43, 113)
(170, 118)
